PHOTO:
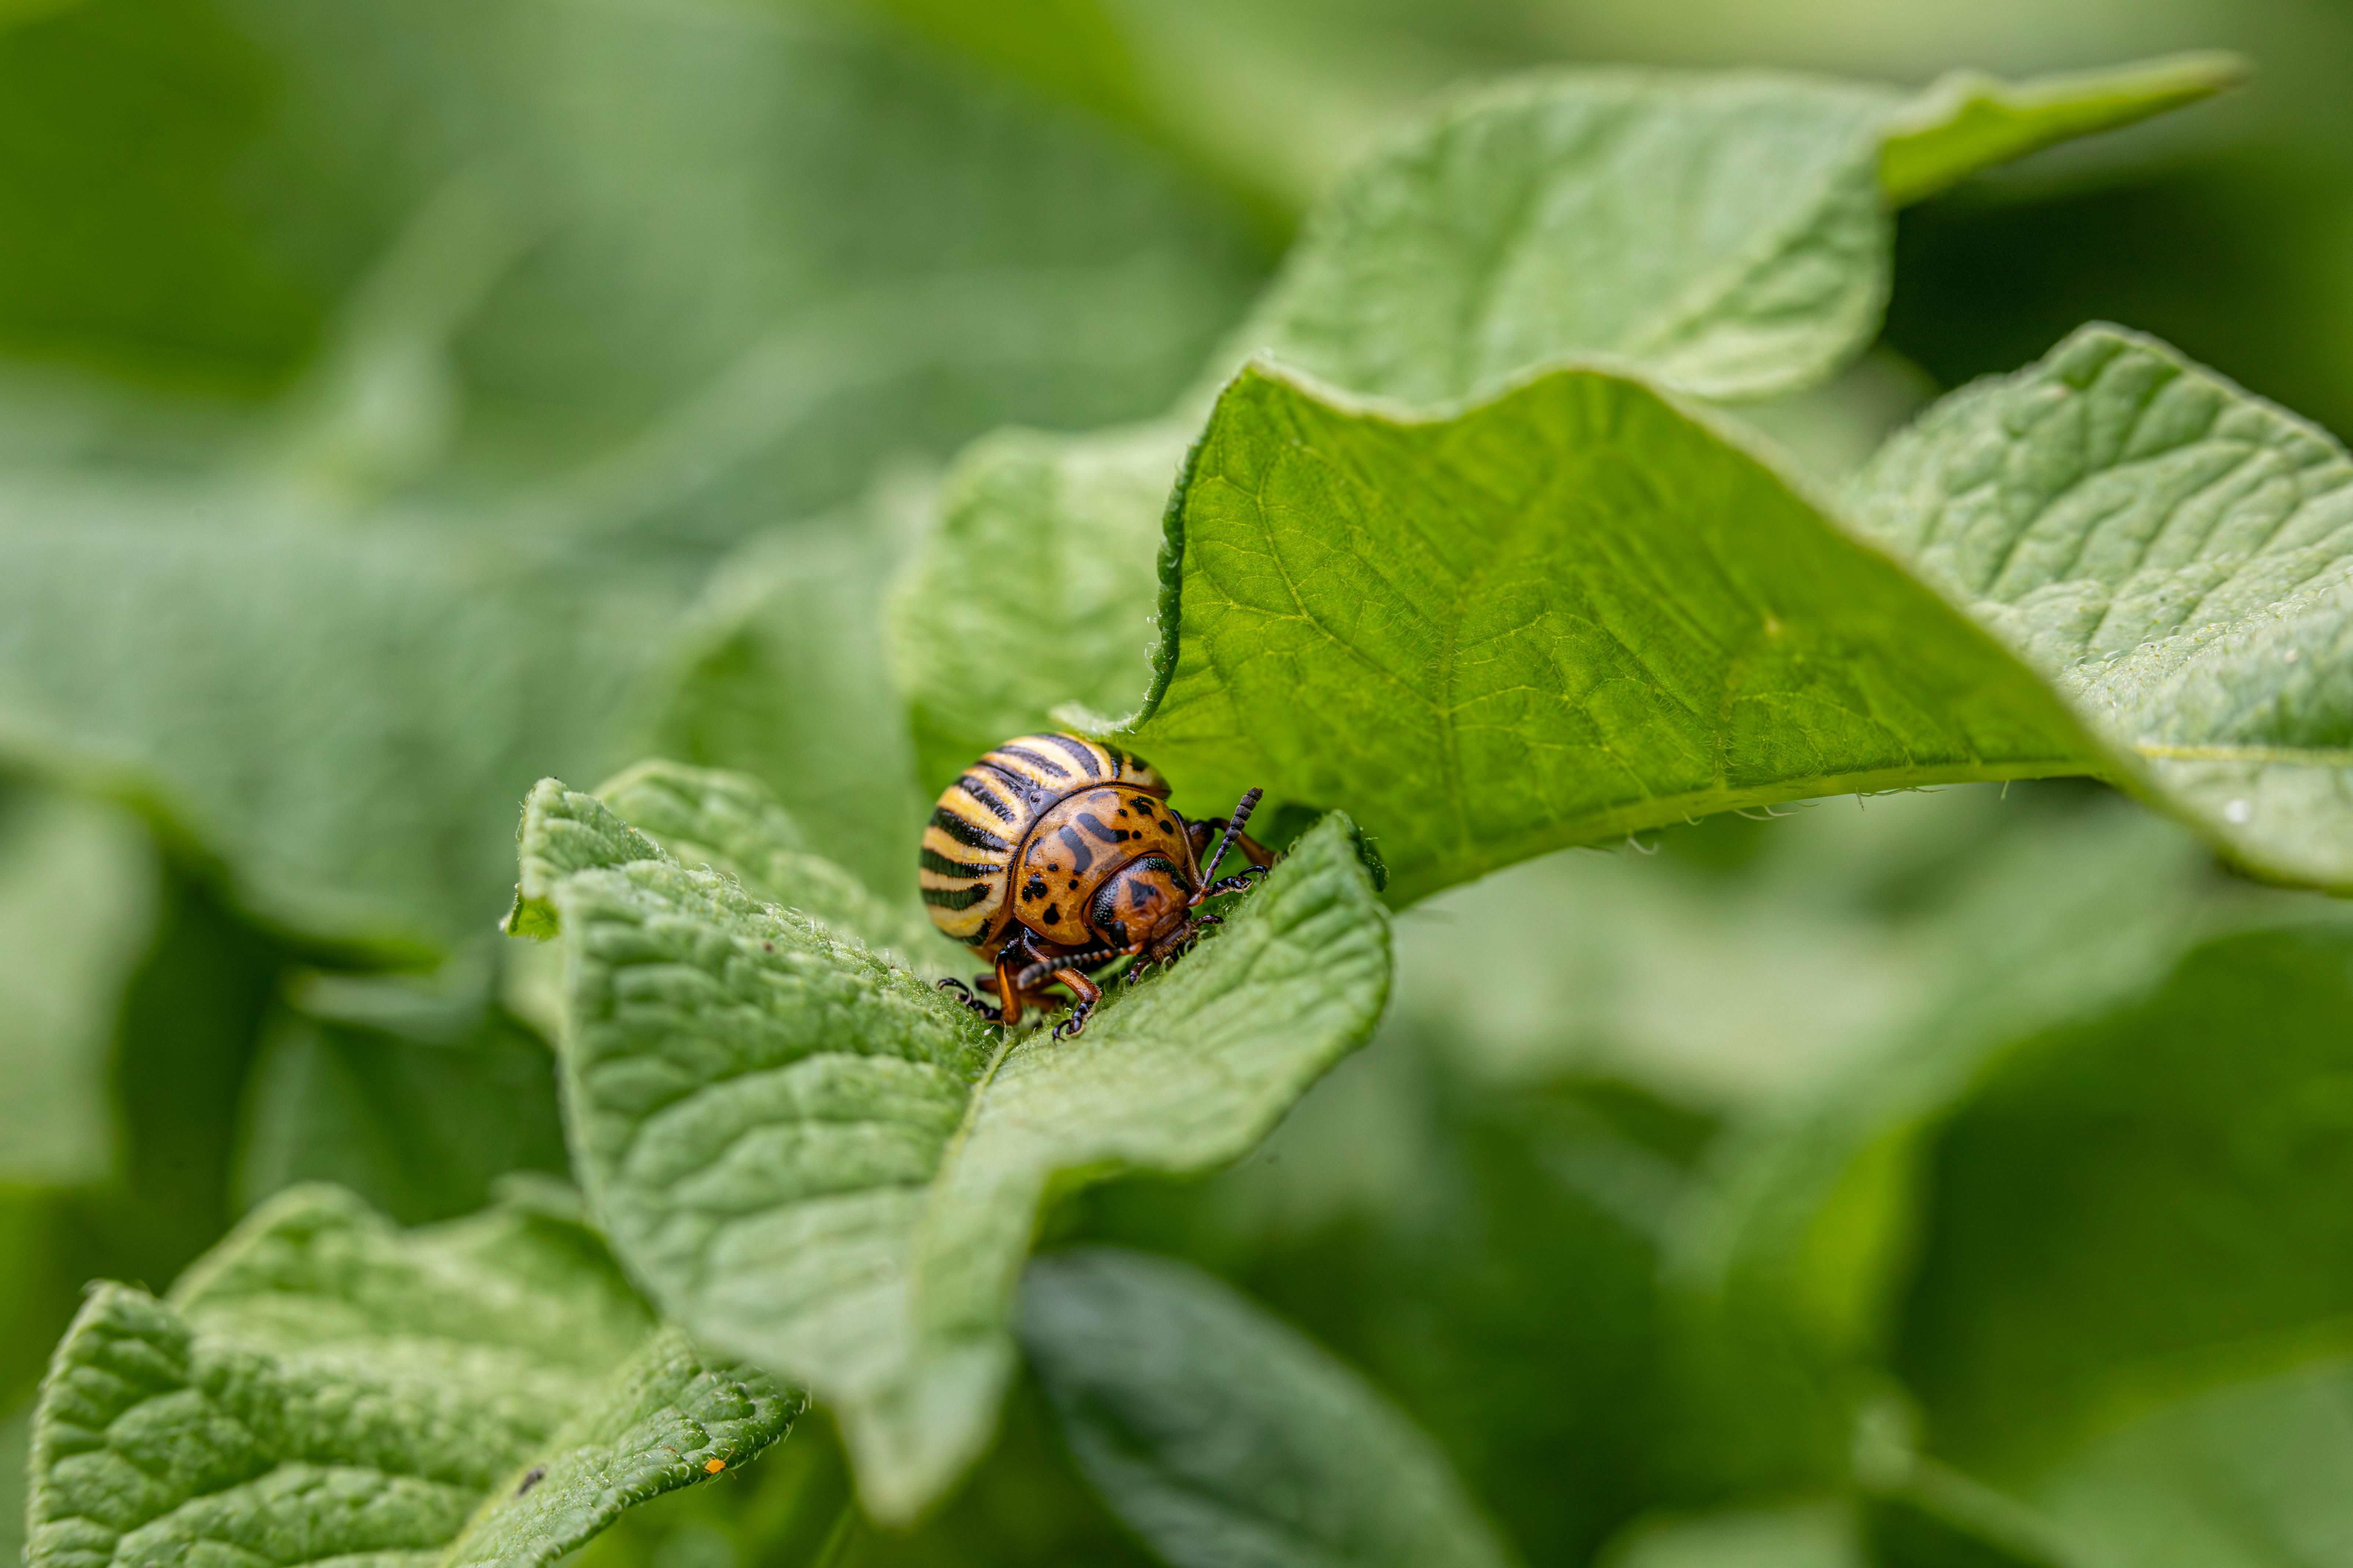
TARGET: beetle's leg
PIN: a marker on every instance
(964, 994)
(1241, 819)
(1087, 991)
(1008, 984)
(1234, 884)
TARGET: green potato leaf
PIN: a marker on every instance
(1729, 233)
(1967, 121)
(1228, 1439)
(322, 1386)
(1725, 234)
(817, 1160)
(2176, 556)
(1572, 613)
(330, 717)
(1035, 588)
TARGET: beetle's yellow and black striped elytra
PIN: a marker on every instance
(1054, 855)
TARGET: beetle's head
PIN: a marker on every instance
(1142, 902)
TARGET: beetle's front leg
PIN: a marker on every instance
(1087, 991)
(964, 994)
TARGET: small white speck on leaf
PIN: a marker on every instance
(2291, 655)
(2239, 811)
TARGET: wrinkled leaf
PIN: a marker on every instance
(1727, 233)
(322, 1385)
(815, 1159)
(670, 1419)
(730, 823)
(2177, 556)
(1723, 232)
(1570, 613)
(1226, 1438)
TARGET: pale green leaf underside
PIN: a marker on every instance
(1227, 1439)
(1968, 122)
(323, 1388)
(1726, 232)
(816, 1160)
(1570, 613)
(2177, 556)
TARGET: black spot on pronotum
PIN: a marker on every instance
(1053, 913)
(1082, 854)
(532, 1478)
(1034, 889)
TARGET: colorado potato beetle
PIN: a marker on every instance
(1052, 855)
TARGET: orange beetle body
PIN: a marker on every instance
(1053, 854)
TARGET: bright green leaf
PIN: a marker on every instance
(815, 1159)
(1726, 233)
(2177, 556)
(1559, 618)
(1226, 1438)
(1969, 121)
(322, 1385)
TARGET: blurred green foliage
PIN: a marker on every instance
(399, 403)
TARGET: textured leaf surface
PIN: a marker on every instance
(1226, 1438)
(670, 1419)
(815, 1159)
(1727, 233)
(322, 1386)
(730, 823)
(2177, 555)
(1566, 614)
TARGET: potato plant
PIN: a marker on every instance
(1918, 1139)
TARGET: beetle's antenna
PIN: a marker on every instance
(1241, 819)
